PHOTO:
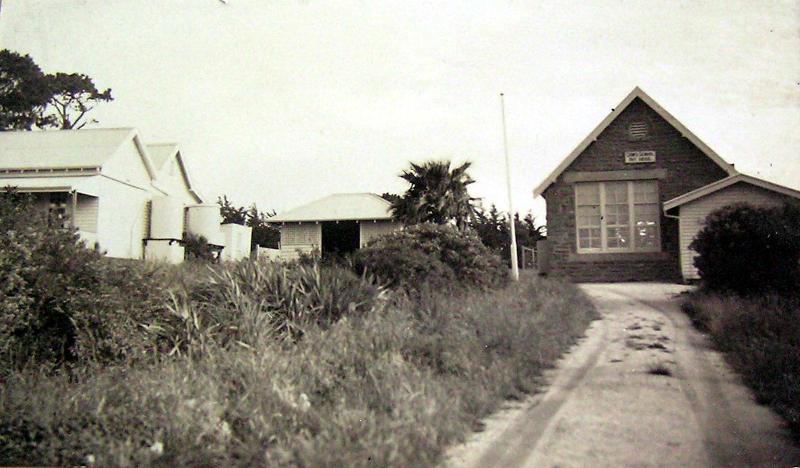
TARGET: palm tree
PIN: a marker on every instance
(438, 194)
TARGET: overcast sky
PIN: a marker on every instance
(283, 102)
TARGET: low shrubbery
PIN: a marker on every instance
(108, 362)
(433, 256)
(760, 337)
(389, 388)
(62, 302)
(745, 249)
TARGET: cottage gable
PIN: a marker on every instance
(129, 164)
(636, 120)
(172, 175)
(640, 141)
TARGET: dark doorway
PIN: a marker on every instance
(339, 238)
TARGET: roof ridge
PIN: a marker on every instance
(635, 93)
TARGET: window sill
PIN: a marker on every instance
(617, 256)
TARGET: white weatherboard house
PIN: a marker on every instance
(336, 224)
(692, 208)
(126, 198)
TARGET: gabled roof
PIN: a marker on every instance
(162, 153)
(636, 93)
(727, 182)
(339, 207)
(63, 149)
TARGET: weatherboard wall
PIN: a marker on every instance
(300, 238)
(372, 229)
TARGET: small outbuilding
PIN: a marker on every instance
(692, 208)
(334, 225)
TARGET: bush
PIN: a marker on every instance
(198, 249)
(432, 256)
(745, 249)
(47, 276)
(63, 304)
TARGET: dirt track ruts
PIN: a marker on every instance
(609, 402)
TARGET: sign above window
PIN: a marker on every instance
(633, 157)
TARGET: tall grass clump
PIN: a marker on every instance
(392, 388)
(249, 301)
(760, 336)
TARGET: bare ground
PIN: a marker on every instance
(643, 388)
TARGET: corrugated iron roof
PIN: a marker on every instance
(727, 182)
(60, 148)
(339, 207)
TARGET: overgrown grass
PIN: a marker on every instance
(387, 386)
(760, 337)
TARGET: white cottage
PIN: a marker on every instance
(339, 223)
(693, 207)
(126, 198)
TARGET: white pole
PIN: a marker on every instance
(513, 252)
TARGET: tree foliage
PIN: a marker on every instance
(29, 98)
(494, 231)
(264, 235)
(437, 194)
(73, 95)
(747, 249)
(23, 92)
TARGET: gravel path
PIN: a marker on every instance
(643, 388)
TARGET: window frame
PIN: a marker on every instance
(631, 248)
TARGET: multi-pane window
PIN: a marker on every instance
(617, 216)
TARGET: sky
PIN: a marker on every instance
(283, 102)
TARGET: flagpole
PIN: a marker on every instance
(513, 250)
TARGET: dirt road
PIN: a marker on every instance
(642, 389)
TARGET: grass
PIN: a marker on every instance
(760, 337)
(389, 386)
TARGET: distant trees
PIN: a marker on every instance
(73, 95)
(437, 194)
(264, 235)
(29, 98)
(493, 228)
(23, 92)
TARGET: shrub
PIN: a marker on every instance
(47, 276)
(197, 248)
(745, 249)
(62, 303)
(432, 256)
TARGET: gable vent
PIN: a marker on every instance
(638, 131)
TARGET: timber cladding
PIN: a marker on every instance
(678, 167)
